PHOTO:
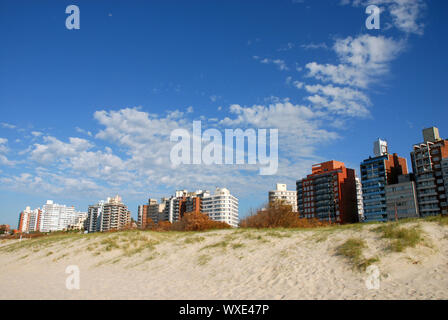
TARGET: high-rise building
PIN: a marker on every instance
(182, 202)
(376, 174)
(328, 193)
(359, 199)
(116, 215)
(401, 199)
(444, 203)
(427, 166)
(94, 217)
(29, 220)
(56, 217)
(153, 210)
(34, 220)
(24, 220)
(282, 194)
(221, 206)
(108, 215)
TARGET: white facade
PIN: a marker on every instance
(221, 206)
(94, 217)
(282, 194)
(24, 219)
(380, 148)
(56, 217)
(359, 199)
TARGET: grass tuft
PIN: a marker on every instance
(401, 238)
(352, 249)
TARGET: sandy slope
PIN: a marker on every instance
(227, 264)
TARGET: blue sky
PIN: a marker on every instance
(87, 113)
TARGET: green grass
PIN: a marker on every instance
(441, 220)
(400, 237)
(353, 249)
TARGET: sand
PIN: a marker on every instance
(225, 264)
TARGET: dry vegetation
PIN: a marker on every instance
(278, 215)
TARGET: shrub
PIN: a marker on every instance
(192, 221)
(278, 215)
(195, 221)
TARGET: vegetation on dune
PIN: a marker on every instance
(353, 249)
(400, 237)
(278, 215)
(192, 221)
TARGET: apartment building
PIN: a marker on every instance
(444, 203)
(108, 215)
(182, 202)
(376, 173)
(150, 212)
(427, 160)
(56, 217)
(115, 215)
(328, 193)
(94, 217)
(401, 199)
(282, 194)
(359, 199)
(221, 206)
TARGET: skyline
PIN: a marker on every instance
(106, 97)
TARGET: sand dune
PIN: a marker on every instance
(226, 264)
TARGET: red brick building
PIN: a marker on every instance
(328, 193)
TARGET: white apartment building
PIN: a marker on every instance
(94, 216)
(29, 220)
(359, 199)
(108, 215)
(56, 217)
(221, 206)
(282, 194)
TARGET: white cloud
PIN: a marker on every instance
(7, 125)
(363, 60)
(55, 149)
(281, 64)
(3, 150)
(313, 46)
(339, 100)
(80, 130)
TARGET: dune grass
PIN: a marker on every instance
(352, 249)
(400, 237)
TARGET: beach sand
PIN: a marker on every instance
(224, 264)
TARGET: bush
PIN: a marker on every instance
(195, 221)
(279, 215)
(192, 221)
